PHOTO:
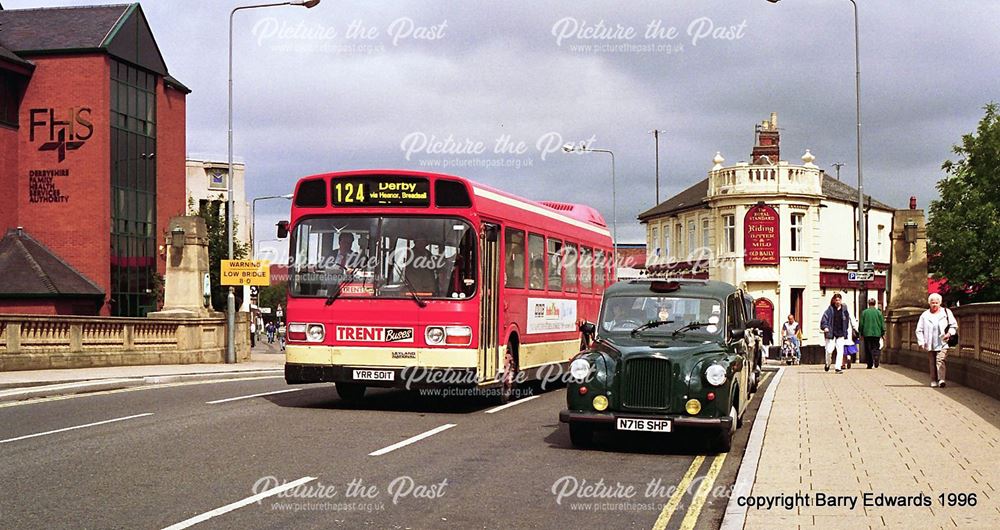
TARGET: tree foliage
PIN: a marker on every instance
(964, 229)
(213, 213)
(272, 296)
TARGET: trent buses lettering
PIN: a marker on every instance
(61, 134)
(374, 334)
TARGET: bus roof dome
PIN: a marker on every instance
(579, 212)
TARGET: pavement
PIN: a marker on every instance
(866, 438)
(265, 360)
(869, 448)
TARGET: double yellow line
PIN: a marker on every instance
(700, 496)
(698, 501)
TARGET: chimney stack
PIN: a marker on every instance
(913, 202)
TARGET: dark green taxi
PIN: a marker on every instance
(669, 356)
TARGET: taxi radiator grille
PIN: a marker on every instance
(646, 384)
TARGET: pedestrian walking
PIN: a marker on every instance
(790, 330)
(935, 327)
(270, 332)
(836, 324)
(872, 329)
(253, 332)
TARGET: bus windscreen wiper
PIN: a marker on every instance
(410, 288)
(340, 287)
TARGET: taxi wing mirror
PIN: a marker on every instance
(587, 327)
(737, 334)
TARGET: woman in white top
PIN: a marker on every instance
(935, 327)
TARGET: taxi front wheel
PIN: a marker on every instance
(581, 435)
(723, 441)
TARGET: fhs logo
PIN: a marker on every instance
(64, 135)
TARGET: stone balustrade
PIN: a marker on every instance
(33, 342)
(975, 362)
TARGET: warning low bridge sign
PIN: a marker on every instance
(246, 272)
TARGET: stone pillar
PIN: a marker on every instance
(187, 266)
(908, 278)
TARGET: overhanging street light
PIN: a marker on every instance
(253, 219)
(231, 299)
(656, 139)
(570, 148)
(862, 251)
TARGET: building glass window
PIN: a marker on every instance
(729, 232)
(666, 244)
(133, 191)
(655, 241)
(798, 221)
(692, 236)
(704, 234)
(10, 98)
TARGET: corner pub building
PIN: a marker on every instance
(91, 160)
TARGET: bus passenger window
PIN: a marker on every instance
(569, 260)
(585, 273)
(555, 265)
(600, 266)
(514, 258)
(536, 261)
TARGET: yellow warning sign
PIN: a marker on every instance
(246, 272)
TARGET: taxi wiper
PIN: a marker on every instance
(651, 324)
(686, 327)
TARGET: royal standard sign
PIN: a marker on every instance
(761, 244)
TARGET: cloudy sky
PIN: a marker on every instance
(491, 90)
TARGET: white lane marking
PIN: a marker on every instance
(414, 439)
(252, 396)
(512, 403)
(239, 504)
(74, 428)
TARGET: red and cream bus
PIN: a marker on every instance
(408, 279)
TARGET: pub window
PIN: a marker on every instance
(729, 230)
(798, 220)
(555, 265)
(536, 261)
(654, 241)
(678, 239)
(666, 243)
(514, 258)
(586, 275)
(691, 236)
(569, 267)
(704, 234)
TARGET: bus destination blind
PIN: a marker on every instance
(379, 191)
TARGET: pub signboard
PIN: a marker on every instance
(761, 244)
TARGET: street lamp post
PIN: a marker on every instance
(570, 148)
(862, 251)
(253, 219)
(656, 140)
(231, 299)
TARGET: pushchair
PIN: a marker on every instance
(788, 352)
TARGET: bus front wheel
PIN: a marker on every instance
(350, 391)
(509, 379)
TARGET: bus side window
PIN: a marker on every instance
(569, 261)
(536, 261)
(555, 265)
(514, 258)
(586, 274)
(600, 266)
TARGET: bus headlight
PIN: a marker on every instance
(315, 333)
(434, 335)
(715, 374)
(579, 369)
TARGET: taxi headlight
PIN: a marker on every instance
(600, 403)
(579, 369)
(715, 374)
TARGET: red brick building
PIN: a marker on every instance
(92, 154)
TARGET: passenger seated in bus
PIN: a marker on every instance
(421, 269)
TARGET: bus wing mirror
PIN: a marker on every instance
(282, 229)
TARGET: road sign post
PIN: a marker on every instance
(860, 276)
